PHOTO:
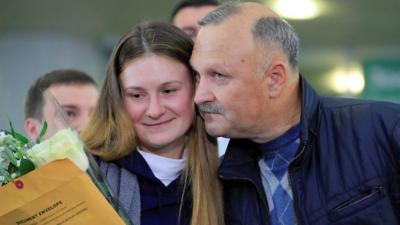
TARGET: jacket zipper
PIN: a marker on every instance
(265, 205)
(378, 189)
(296, 210)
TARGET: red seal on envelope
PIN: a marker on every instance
(18, 183)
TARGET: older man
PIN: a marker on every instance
(294, 157)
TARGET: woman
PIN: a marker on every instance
(149, 135)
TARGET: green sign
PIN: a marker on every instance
(382, 80)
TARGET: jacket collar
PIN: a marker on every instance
(241, 160)
(309, 106)
(242, 155)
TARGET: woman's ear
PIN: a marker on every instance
(276, 76)
(32, 127)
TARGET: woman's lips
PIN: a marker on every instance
(158, 123)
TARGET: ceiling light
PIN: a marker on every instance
(297, 9)
(347, 80)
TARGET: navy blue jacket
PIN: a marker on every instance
(346, 171)
(143, 197)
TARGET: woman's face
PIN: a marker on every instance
(158, 96)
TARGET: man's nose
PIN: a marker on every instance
(203, 92)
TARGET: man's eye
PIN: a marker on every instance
(70, 113)
(197, 78)
(218, 76)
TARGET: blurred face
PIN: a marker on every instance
(231, 95)
(158, 96)
(77, 102)
(187, 19)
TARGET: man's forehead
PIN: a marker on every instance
(212, 38)
(222, 39)
(209, 46)
(72, 86)
(72, 93)
(207, 50)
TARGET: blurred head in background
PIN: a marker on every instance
(187, 14)
(74, 91)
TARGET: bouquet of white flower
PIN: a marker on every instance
(19, 156)
(14, 160)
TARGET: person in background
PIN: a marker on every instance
(188, 12)
(75, 92)
(150, 141)
(294, 157)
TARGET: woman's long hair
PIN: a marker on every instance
(110, 133)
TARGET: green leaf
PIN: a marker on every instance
(11, 127)
(17, 135)
(42, 133)
(25, 167)
(20, 138)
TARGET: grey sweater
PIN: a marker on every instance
(125, 188)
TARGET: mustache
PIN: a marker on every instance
(208, 108)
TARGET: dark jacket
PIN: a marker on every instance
(346, 170)
(144, 198)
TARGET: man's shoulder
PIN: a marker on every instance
(336, 104)
(359, 114)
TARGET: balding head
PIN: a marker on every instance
(268, 31)
(232, 9)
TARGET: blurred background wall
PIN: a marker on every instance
(349, 48)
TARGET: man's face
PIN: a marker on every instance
(187, 19)
(231, 94)
(76, 101)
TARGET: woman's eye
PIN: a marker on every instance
(169, 91)
(135, 95)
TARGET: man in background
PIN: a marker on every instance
(75, 92)
(187, 14)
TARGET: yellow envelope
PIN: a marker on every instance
(57, 193)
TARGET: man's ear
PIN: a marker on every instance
(276, 76)
(32, 127)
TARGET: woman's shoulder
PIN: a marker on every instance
(124, 185)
